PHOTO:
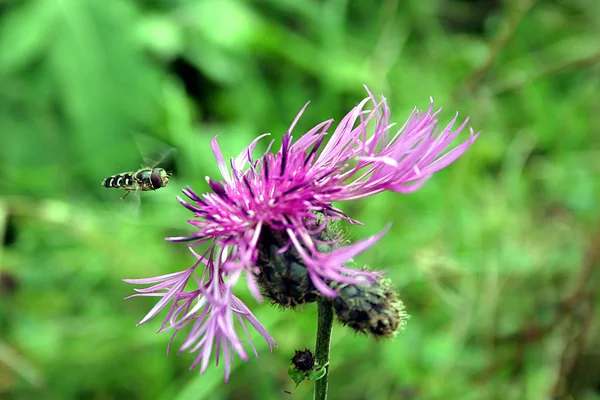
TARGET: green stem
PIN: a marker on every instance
(322, 347)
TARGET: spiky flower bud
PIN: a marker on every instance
(374, 309)
(305, 367)
(303, 360)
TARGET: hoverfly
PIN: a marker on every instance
(142, 180)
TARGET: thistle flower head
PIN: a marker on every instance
(211, 310)
(290, 194)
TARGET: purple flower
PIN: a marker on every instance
(210, 310)
(292, 191)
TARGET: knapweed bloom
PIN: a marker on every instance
(289, 195)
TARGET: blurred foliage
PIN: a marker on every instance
(496, 257)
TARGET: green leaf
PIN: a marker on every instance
(316, 374)
(297, 376)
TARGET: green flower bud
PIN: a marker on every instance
(373, 309)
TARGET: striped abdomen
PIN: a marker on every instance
(123, 181)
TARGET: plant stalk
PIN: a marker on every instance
(325, 324)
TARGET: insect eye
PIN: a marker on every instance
(155, 179)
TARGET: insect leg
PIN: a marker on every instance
(125, 195)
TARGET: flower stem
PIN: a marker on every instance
(324, 327)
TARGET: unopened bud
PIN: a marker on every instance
(374, 309)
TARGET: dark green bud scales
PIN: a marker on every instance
(283, 277)
(372, 309)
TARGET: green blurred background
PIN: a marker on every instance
(496, 257)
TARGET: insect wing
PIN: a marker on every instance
(136, 203)
(155, 153)
(132, 202)
(164, 158)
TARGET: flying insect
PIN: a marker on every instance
(144, 179)
(148, 177)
